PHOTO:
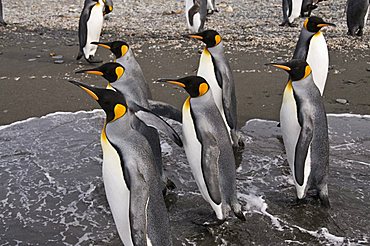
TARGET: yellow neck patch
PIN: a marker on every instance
(103, 136)
(218, 39)
(305, 23)
(119, 111)
(307, 71)
(91, 93)
(187, 103)
(203, 88)
(119, 72)
(124, 49)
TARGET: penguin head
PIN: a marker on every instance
(210, 37)
(196, 86)
(314, 24)
(118, 48)
(108, 6)
(112, 102)
(296, 68)
(111, 71)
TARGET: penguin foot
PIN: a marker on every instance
(92, 60)
(3, 23)
(284, 23)
(170, 199)
(325, 201)
(237, 209)
(360, 33)
(212, 222)
(292, 25)
(170, 185)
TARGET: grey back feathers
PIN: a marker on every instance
(133, 83)
(2, 22)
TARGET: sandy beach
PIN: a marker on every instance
(32, 84)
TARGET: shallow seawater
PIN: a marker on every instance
(51, 190)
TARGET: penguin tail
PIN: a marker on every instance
(79, 56)
(165, 110)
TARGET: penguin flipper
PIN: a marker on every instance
(192, 11)
(301, 149)
(153, 120)
(165, 110)
(226, 82)
(139, 197)
(210, 159)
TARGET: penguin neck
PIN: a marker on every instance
(301, 87)
(303, 44)
(217, 51)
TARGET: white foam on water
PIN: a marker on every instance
(294, 242)
(166, 148)
(94, 111)
(348, 115)
(359, 162)
(258, 205)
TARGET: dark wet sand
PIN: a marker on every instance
(37, 87)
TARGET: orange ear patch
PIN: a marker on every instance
(119, 111)
(203, 88)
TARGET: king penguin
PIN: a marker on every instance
(357, 12)
(134, 83)
(305, 130)
(196, 13)
(130, 180)
(291, 11)
(311, 46)
(2, 22)
(90, 26)
(308, 6)
(215, 69)
(208, 147)
(114, 72)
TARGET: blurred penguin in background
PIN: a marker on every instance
(291, 11)
(357, 12)
(196, 13)
(308, 6)
(2, 22)
(90, 26)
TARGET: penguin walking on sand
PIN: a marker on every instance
(196, 13)
(291, 11)
(130, 180)
(312, 47)
(114, 72)
(208, 147)
(90, 26)
(215, 69)
(357, 12)
(2, 22)
(134, 85)
(305, 130)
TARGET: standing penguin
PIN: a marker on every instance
(208, 148)
(215, 68)
(133, 85)
(357, 12)
(291, 11)
(196, 13)
(311, 46)
(130, 180)
(114, 72)
(90, 26)
(305, 130)
(2, 22)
